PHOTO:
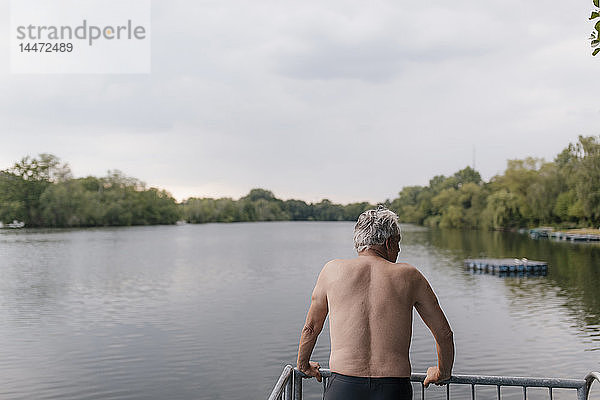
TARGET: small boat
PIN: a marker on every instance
(16, 224)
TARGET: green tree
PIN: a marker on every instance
(406, 205)
(595, 36)
(298, 210)
(325, 210)
(585, 170)
(259, 194)
(472, 199)
(23, 184)
(467, 175)
(353, 210)
(12, 204)
(543, 193)
(502, 210)
(69, 204)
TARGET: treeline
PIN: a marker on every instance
(531, 192)
(262, 205)
(564, 192)
(42, 193)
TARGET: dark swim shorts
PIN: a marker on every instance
(344, 387)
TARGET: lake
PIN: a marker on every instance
(215, 311)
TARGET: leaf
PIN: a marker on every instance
(594, 15)
(596, 51)
(597, 26)
(597, 3)
(595, 43)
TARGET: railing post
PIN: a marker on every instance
(288, 388)
(278, 392)
(589, 379)
(297, 385)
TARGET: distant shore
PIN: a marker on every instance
(41, 192)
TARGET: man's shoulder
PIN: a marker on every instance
(407, 266)
(335, 263)
(407, 270)
(330, 270)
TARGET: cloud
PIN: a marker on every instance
(345, 100)
(377, 46)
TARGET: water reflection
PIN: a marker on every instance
(178, 312)
(573, 273)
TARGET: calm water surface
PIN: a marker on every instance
(214, 311)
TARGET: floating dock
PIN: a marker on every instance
(542, 232)
(503, 266)
(574, 236)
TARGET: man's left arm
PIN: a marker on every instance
(314, 324)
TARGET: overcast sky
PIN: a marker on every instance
(345, 100)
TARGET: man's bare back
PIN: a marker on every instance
(370, 303)
(369, 300)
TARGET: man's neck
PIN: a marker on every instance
(374, 251)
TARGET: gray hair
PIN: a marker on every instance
(374, 227)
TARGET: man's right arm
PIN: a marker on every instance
(427, 306)
(314, 324)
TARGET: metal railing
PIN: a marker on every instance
(289, 385)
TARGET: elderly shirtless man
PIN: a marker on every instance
(370, 300)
